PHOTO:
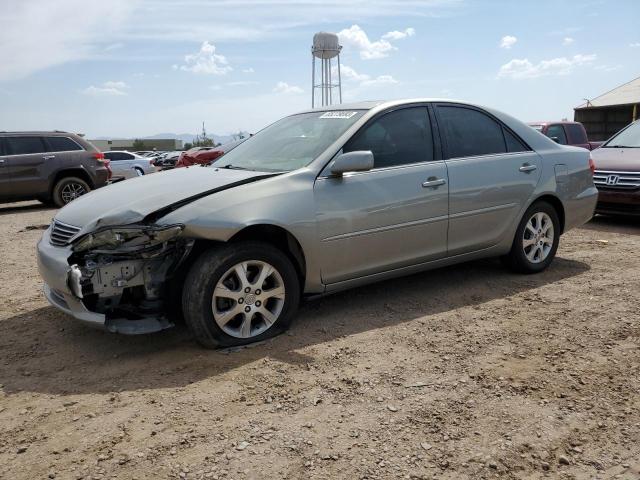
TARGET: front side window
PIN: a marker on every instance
(24, 145)
(291, 143)
(556, 133)
(470, 133)
(400, 137)
(62, 144)
(627, 138)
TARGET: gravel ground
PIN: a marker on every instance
(467, 372)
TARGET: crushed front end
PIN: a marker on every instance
(116, 277)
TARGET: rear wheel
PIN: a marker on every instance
(536, 241)
(240, 293)
(68, 189)
(139, 171)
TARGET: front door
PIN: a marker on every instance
(492, 176)
(28, 155)
(392, 216)
(5, 175)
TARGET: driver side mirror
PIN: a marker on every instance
(359, 161)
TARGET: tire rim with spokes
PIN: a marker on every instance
(71, 191)
(537, 238)
(248, 299)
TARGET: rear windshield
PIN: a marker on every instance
(290, 143)
(627, 138)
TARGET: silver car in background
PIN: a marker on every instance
(128, 165)
(320, 201)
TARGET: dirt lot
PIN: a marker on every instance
(465, 372)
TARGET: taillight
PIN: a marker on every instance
(152, 162)
(99, 156)
(592, 165)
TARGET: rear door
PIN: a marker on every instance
(577, 136)
(392, 216)
(27, 155)
(556, 133)
(492, 175)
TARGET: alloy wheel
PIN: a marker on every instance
(248, 299)
(537, 238)
(71, 191)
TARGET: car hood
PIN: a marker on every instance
(617, 159)
(133, 200)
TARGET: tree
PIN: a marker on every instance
(188, 146)
(138, 145)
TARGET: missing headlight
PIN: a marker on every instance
(130, 238)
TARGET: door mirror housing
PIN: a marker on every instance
(359, 161)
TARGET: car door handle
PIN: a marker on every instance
(48, 157)
(527, 168)
(434, 182)
(1, 161)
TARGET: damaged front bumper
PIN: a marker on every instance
(123, 293)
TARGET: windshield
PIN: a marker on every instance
(629, 138)
(290, 143)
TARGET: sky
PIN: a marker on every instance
(132, 68)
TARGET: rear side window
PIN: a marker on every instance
(576, 133)
(470, 133)
(24, 145)
(400, 137)
(556, 132)
(115, 156)
(62, 144)
(3, 151)
(513, 143)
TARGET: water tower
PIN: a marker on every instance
(325, 48)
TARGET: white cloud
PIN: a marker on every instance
(248, 70)
(284, 87)
(355, 37)
(523, 68)
(362, 79)
(38, 34)
(379, 80)
(396, 35)
(567, 41)
(109, 88)
(635, 45)
(206, 61)
(508, 41)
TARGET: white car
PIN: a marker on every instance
(127, 165)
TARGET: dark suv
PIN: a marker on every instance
(53, 167)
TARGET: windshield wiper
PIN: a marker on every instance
(234, 167)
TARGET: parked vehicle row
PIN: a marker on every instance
(320, 201)
(205, 155)
(53, 167)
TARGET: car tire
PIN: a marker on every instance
(222, 309)
(68, 189)
(139, 171)
(536, 241)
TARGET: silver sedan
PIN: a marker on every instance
(128, 165)
(320, 201)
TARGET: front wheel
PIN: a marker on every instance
(536, 241)
(240, 293)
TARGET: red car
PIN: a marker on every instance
(566, 133)
(205, 155)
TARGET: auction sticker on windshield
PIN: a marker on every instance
(338, 114)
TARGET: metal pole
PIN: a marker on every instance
(330, 83)
(339, 79)
(313, 79)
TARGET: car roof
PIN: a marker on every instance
(39, 132)
(553, 122)
(383, 104)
